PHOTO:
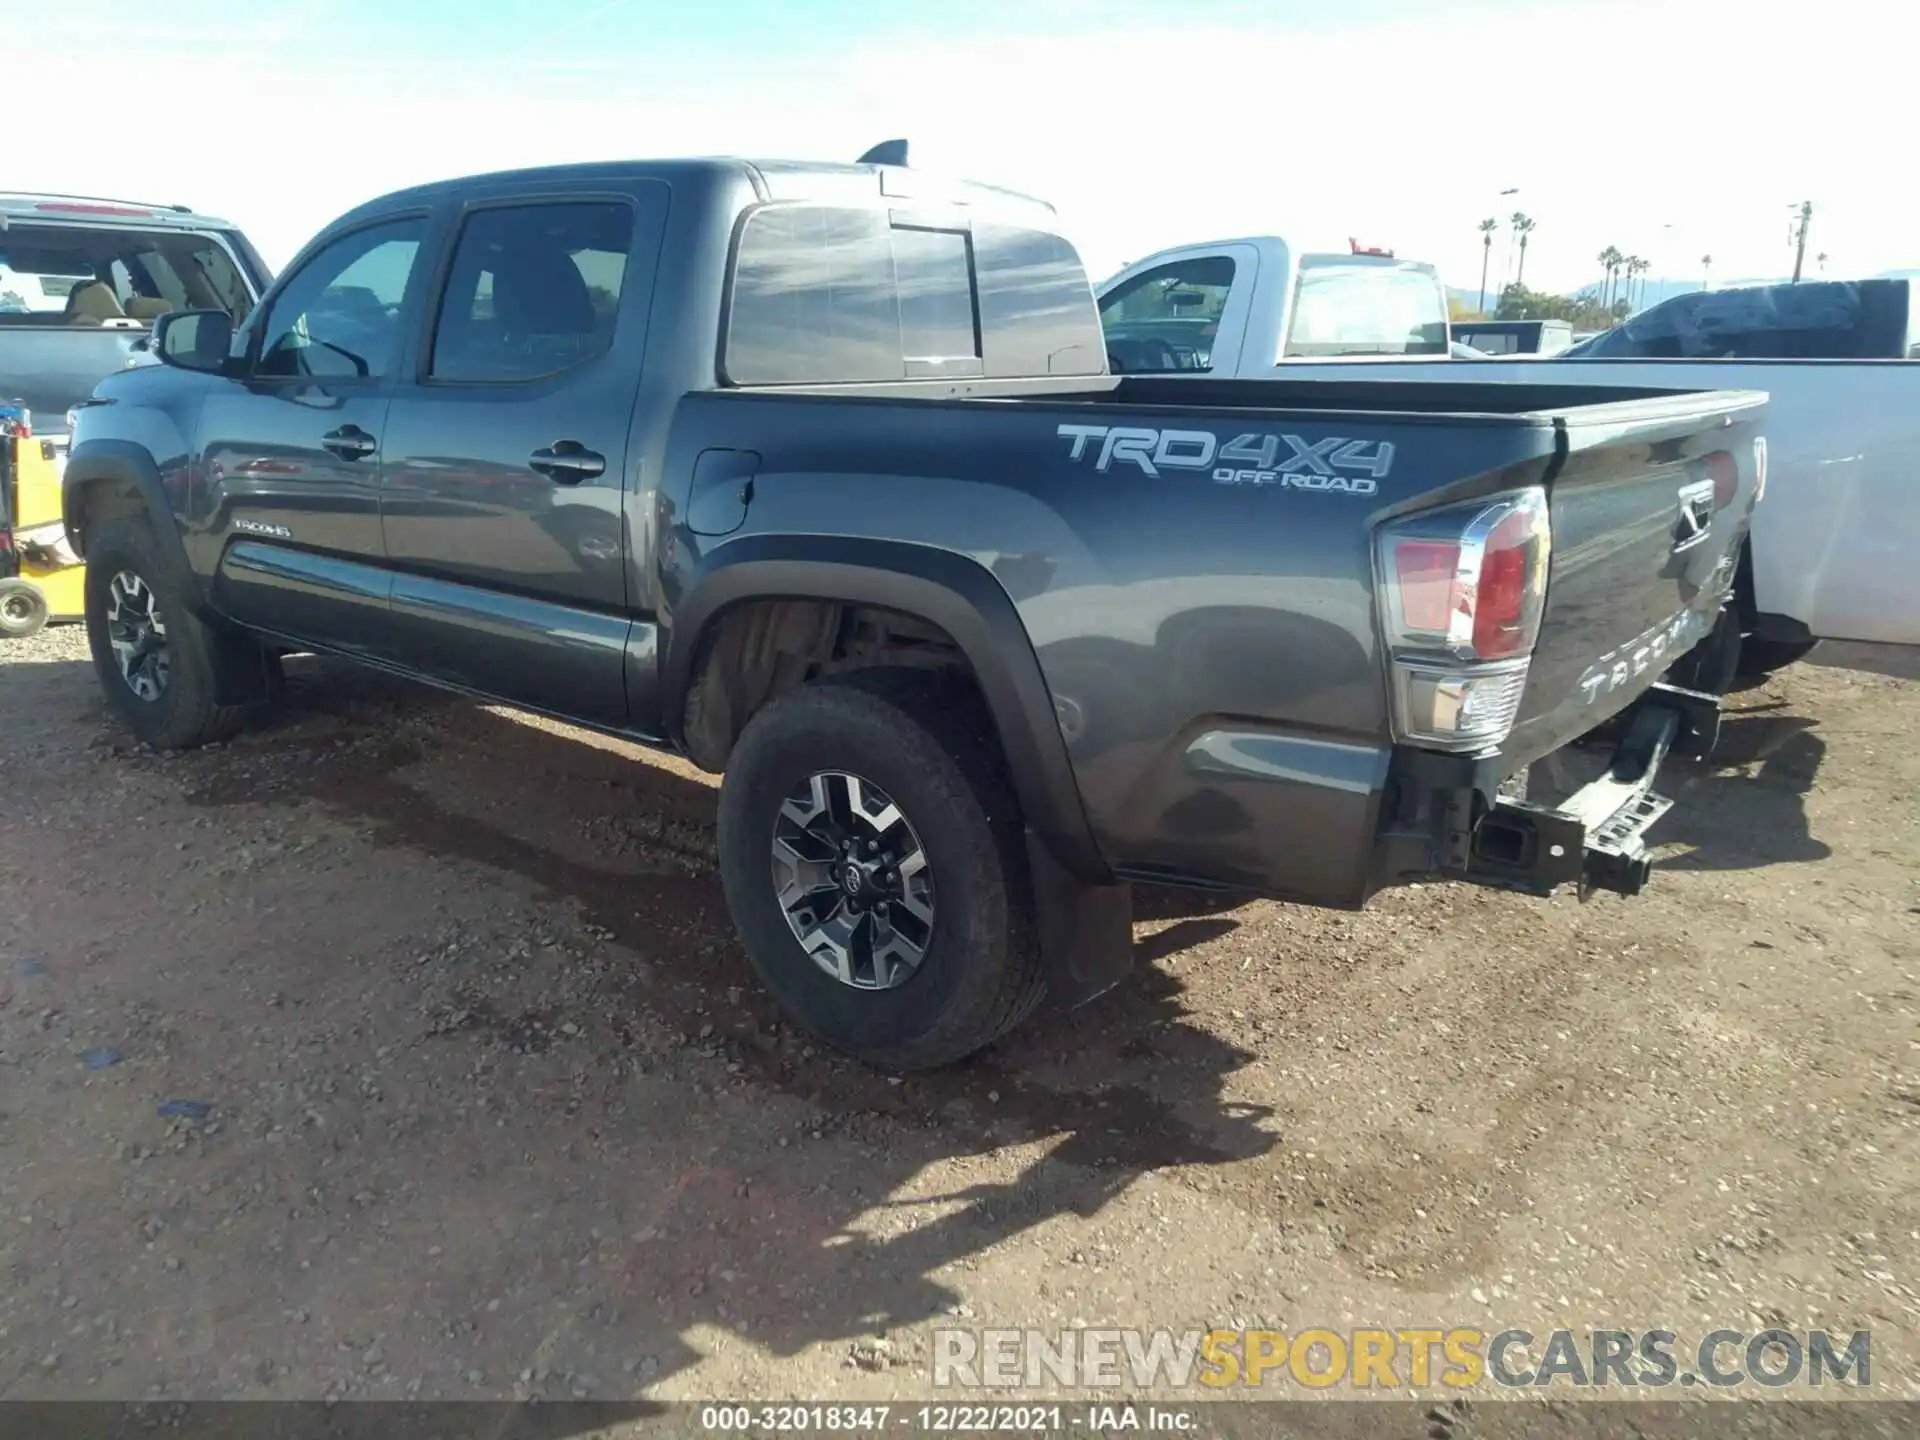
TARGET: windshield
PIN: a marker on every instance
(1367, 308)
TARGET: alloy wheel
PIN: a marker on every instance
(853, 881)
(138, 634)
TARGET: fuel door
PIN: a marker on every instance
(722, 490)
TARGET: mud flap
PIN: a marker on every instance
(1086, 931)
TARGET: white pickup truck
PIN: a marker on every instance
(1240, 307)
(1833, 548)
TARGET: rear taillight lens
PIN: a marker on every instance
(1461, 595)
(1725, 474)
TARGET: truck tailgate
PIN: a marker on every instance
(1650, 500)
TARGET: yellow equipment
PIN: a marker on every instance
(41, 579)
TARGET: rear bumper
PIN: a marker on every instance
(1441, 820)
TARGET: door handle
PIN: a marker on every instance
(567, 462)
(349, 442)
(1696, 515)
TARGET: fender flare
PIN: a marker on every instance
(960, 596)
(123, 463)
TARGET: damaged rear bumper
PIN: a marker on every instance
(1594, 839)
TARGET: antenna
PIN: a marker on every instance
(887, 152)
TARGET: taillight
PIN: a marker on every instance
(1725, 474)
(1462, 592)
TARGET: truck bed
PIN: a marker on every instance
(1165, 600)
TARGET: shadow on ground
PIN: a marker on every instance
(1123, 1088)
(1734, 816)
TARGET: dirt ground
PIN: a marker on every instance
(497, 1110)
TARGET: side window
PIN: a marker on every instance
(533, 290)
(339, 317)
(1166, 318)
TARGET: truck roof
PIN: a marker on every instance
(99, 210)
(771, 179)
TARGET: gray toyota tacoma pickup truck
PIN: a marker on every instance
(813, 473)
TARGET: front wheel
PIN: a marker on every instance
(875, 867)
(159, 665)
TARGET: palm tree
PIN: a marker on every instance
(1634, 266)
(1487, 227)
(1516, 225)
(1606, 259)
(1821, 261)
(1706, 272)
(1613, 259)
(1523, 227)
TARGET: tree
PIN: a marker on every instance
(1523, 227)
(1821, 261)
(1609, 259)
(1615, 262)
(1634, 267)
(1517, 226)
(1706, 272)
(1487, 227)
(1582, 311)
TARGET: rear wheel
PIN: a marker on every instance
(875, 866)
(23, 609)
(160, 666)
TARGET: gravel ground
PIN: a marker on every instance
(479, 1098)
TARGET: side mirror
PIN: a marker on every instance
(194, 339)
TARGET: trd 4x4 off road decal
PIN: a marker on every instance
(1333, 463)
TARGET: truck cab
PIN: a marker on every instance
(1241, 308)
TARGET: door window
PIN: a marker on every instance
(338, 317)
(1166, 318)
(534, 290)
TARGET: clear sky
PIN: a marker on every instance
(1668, 129)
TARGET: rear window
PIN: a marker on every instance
(837, 294)
(1367, 309)
(147, 272)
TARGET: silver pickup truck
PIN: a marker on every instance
(83, 279)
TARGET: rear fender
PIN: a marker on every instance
(1084, 914)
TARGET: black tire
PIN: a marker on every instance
(23, 609)
(927, 743)
(185, 712)
(1760, 658)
